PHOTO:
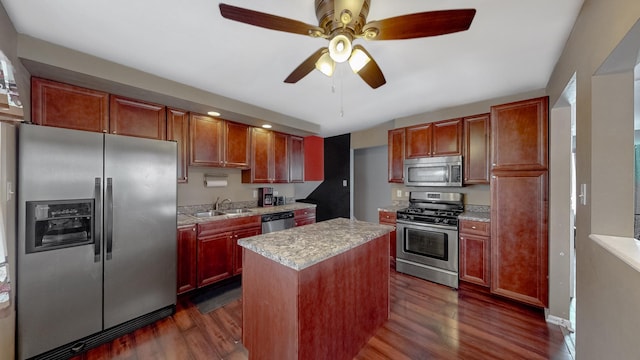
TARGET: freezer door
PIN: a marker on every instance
(59, 291)
(140, 227)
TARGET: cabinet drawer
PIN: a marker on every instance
(301, 213)
(475, 227)
(387, 217)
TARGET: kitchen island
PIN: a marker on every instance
(319, 291)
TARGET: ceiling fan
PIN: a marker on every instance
(342, 22)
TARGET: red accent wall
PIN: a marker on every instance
(313, 158)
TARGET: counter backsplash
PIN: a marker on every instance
(192, 209)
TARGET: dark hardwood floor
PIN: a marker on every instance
(427, 321)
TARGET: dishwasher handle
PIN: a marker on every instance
(277, 216)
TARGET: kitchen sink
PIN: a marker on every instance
(236, 211)
(208, 213)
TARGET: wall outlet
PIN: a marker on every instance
(275, 192)
(255, 194)
(406, 194)
(399, 193)
(344, 183)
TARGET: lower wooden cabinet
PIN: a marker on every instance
(304, 216)
(219, 255)
(519, 236)
(475, 252)
(237, 249)
(389, 218)
(187, 258)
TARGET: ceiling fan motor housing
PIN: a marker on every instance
(330, 22)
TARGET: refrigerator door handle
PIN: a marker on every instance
(96, 219)
(108, 218)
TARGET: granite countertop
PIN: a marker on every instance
(187, 219)
(475, 216)
(301, 247)
(393, 207)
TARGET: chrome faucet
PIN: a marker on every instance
(216, 205)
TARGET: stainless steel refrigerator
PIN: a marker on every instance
(96, 238)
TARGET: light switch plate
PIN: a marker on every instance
(255, 194)
(399, 193)
(344, 183)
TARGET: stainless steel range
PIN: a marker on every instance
(427, 245)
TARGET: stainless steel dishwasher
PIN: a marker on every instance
(277, 221)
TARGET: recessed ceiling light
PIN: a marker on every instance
(266, 126)
(213, 113)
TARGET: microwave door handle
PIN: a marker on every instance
(108, 217)
(97, 210)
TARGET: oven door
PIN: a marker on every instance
(432, 245)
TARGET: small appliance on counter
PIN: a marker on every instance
(265, 196)
(279, 200)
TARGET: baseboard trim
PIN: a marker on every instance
(560, 322)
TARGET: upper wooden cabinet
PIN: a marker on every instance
(67, 106)
(178, 131)
(218, 143)
(519, 135)
(236, 142)
(313, 158)
(137, 118)
(296, 159)
(477, 152)
(269, 157)
(440, 138)
(396, 155)
(205, 135)
(447, 138)
(418, 140)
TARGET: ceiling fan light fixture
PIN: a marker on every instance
(340, 48)
(358, 60)
(326, 65)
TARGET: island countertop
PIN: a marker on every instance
(301, 247)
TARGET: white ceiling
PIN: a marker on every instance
(511, 47)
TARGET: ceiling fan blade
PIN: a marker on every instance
(269, 21)
(306, 67)
(370, 72)
(353, 6)
(424, 24)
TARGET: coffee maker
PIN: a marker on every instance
(265, 196)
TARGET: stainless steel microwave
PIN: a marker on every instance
(433, 171)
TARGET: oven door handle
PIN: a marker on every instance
(423, 226)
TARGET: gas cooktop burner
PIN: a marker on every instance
(433, 208)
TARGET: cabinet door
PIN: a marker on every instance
(280, 157)
(418, 141)
(187, 261)
(237, 145)
(519, 236)
(389, 218)
(477, 154)
(296, 159)
(137, 118)
(396, 155)
(447, 138)
(214, 258)
(178, 131)
(67, 106)
(261, 160)
(205, 138)
(519, 135)
(475, 259)
(237, 249)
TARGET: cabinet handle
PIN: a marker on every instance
(473, 227)
(104, 130)
(193, 229)
(113, 132)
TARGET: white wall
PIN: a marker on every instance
(370, 184)
(606, 324)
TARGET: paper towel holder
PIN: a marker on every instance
(215, 180)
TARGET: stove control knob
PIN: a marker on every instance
(445, 221)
